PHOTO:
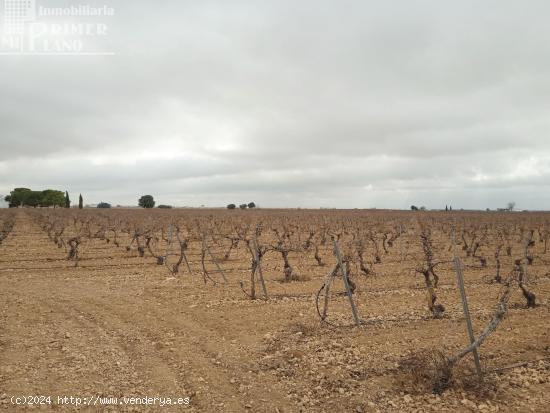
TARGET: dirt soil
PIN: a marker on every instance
(118, 325)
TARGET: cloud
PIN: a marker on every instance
(348, 104)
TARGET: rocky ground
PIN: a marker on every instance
(117, 326)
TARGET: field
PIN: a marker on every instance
(121, 303)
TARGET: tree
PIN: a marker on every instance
(104, 205)
(242, 206)
(34, 199)
(80, 202)
(26, 197)
(414, 208)
(146, 201)
(18, 197)
(251, 205)
(231, 206)
(51, 197)
(511, 205)
(67, 200)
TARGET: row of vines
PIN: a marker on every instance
(511, 250)
(425, 244)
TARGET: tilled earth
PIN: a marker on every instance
(118, 326)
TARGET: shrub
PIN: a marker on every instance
(231, 206)
(104, 205)
(165, 206)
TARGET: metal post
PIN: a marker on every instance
(259, 266)
(401, 241)
(169, 246)
(187, 263)
(328, 282)
(460, 279)
(346, 283)
(524, 261)
(213, 258)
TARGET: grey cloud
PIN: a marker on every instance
(352, 103)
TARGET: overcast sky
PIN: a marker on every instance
(291, 104)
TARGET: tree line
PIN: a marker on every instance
(242, 206)
(25, 197)
(20, 197)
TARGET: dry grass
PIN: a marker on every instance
(427, 370)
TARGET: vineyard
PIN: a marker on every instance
(277, 310)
